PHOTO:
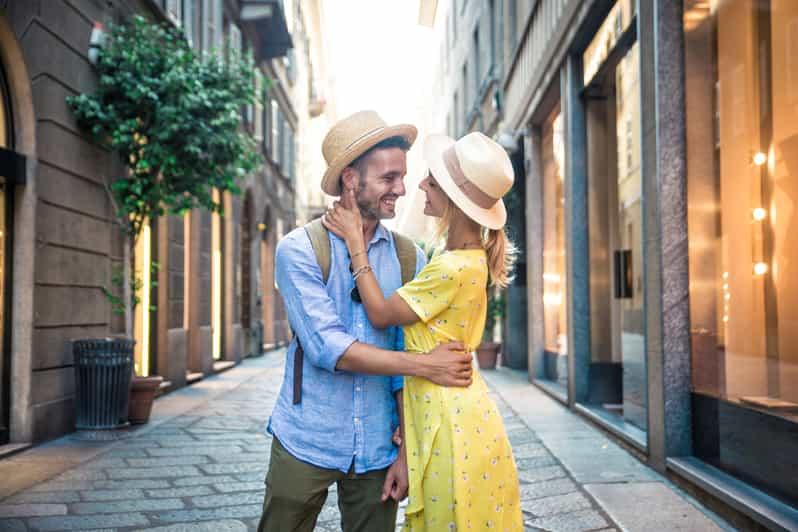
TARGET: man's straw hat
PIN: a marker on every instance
(350, 138)
(475, 172)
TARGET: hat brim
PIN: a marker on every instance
(331, 182)
(434, 146)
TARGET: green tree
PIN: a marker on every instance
(173, 118)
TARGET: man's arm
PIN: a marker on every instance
(327, 343)
(445, 365)
(310, 309)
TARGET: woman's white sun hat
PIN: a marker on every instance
(474, 172)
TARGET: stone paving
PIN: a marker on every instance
(202, 468)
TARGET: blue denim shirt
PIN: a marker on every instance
(342, 416)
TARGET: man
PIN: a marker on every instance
(335, 426)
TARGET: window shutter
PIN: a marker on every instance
(258, 114)
(275, 131)
(235, 41)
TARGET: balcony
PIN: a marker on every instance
(265, 21)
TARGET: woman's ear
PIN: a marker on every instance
(349, 178)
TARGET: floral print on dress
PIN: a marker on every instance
(461, 470)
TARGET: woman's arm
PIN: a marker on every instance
(381, 312)
(345, 221)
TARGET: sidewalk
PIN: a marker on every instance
(200, 464)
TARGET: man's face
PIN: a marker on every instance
(381, 182)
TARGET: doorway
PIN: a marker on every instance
(617, 377)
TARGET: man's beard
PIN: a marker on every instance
(370, 209)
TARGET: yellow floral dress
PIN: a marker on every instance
(461, 468)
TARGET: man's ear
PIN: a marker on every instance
(349, 178)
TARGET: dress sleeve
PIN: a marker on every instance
(433, 289)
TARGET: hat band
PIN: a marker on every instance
(472, 192)
(364, 135)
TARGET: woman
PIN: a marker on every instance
(462, 475)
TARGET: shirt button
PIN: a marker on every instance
(357, 388)
(357, 420)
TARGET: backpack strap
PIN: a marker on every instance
(320, 241)
(406, 252)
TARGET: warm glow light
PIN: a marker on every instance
(760, 158)
(552, 299)
(727, 296)
(143, 264)
(725, 275)
(760, 268)
(760, 214)
(725, 319)
(553, 277)
(216, 282)
(725, 287)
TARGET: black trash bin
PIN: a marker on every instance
(103, 368)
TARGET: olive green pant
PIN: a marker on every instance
(296, 491)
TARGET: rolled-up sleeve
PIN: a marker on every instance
(311, 312)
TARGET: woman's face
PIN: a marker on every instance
(436, 198)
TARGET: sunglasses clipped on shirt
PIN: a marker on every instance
(355, 293)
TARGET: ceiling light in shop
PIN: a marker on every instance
(760, 268)
(760, 214)
(760, 158)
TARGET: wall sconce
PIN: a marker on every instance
(759, 214)
(760, 268)
(263, 228)
(96, 41)
(760, 158)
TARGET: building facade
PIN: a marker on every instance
(655, 141)
(215, 300)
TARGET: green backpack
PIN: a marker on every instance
(320, 241)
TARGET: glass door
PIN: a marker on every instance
(627, 253)
(617, 377)
(555, 317)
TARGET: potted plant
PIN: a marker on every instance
(488, 350)
(173, 119)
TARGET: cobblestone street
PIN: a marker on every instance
(200, 465)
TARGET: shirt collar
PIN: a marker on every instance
(381, 233)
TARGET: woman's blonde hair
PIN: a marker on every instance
(499, 248)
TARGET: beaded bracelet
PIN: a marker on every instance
(360, 271)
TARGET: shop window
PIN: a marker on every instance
(741, 63)
(555, 317)
(617, 376)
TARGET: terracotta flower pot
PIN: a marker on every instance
(487, 352)
(142, 394)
